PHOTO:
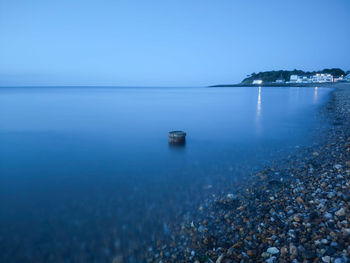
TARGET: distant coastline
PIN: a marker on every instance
(275, 85)
(292, 78)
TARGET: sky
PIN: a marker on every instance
(167, 43)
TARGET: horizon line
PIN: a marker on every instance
(94, 86)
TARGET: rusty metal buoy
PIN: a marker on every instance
(177, 137)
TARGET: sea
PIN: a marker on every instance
(87, 173)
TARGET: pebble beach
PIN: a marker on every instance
(296, 210)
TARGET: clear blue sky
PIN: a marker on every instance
(167, 43)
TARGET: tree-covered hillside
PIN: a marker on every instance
(272, 76)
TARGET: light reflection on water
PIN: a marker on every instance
(258, 112)
(315, 95)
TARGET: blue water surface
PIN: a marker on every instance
(87, 173)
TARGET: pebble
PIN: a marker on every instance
(340, 212)
(231, 196)
(328, 216)
(297, 218)
(324, 241)
(272, 250)
(337, 166)
(271, 260)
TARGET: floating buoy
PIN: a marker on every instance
(177, 137)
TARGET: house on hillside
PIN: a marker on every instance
(322, 78)
(299, 79)
(347, 77)
(257, 82)
(304, 79)
(317, 78)
(280, 80)
(336, 79)
(293, 78)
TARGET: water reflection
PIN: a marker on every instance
(178, 145)
(315, 95)
(258, 113)
(258, 107)
(294, 97)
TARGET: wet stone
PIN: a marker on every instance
(340, 212)
(272, 250)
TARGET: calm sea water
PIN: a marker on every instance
(87, 173)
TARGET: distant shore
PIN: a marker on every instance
(278, 85)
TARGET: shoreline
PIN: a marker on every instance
(298, 211)
(281, 85)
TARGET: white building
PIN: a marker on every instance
(257, 82)
(293, 78)
(303, 79)
(336, 79)
(317, 78)
(322, 78)
(299, 79)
